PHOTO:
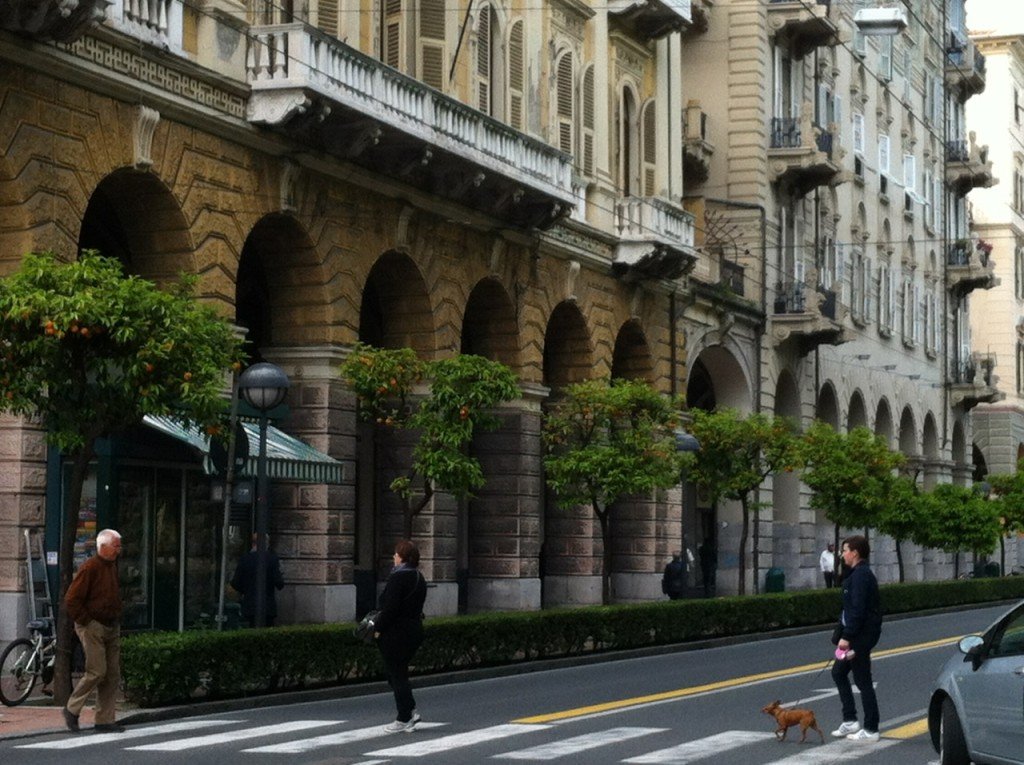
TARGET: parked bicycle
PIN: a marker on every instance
(25, 661)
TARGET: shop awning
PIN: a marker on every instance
(288, 458)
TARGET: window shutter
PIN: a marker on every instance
(516, 76)
(910, 172)
(393, 26)
(432, 43)
(483, 60)
(327, 16)
(778, 71)
(650, 128)
(588, 121)
(564, 102)
(858, 133)
(885, 62)
(883, 154)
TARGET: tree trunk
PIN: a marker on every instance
(65, 627)
(606, 556)
(756, 555)
(899, 558)
(742, 559)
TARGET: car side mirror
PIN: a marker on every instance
(972, 646)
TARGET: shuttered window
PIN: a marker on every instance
(858, 133)
(392, 50)
(431, 43)
(484, 60)
(327, 16)
(564, 102)
(516, 77)
(650, 142)
(588, 121)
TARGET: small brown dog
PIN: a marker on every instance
(787, 718)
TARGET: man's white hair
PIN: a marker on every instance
(105, 537)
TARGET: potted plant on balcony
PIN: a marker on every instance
(984, 250)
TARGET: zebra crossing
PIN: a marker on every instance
(435, 739)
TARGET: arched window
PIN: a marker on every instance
(587, 144)
(516, 77)
(627, 144)
(650, 143)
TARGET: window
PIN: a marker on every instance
(885, 59)
(426, 41)
(883, 163)
(1016, 106)
(430, 45)
(487, 49)
(588, 121)
(326, 16)
(565, 106)
(1008, 639)
(1020, 367)
(1018, 189)
(858, 133)
(885, 298)
(910, 173)
(516, 77)
(650, 148)
(1018, 270)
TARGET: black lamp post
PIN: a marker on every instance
(685, 442)
(263, 386)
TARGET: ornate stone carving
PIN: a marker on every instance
(289, 182)
(146, 120)
(570, 280)
(59, 20)
(498, 251)
(275, 108)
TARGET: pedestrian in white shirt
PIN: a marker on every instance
(827, 563)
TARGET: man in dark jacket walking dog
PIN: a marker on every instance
(861, 628)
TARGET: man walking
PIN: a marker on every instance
(244, 582)
(673, 581)
(862, 626)
(94, 603)
(827, 563)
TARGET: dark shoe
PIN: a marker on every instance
(108, 728)
(70, 720)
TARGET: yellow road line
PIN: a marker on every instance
(909, 730)
(681, 693)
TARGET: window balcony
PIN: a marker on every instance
(803, 155)
(807, 316)
(651, 19)
(324, 93)
(802, 25)
(968, 166)
(969, 268)
(972, 381)
(965, 67)
(655, 239)
(697, 150)
(157, 22)
(58, 20)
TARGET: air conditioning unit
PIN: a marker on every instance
(881, 21)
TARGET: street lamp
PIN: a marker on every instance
(686, 442)
(263, 386)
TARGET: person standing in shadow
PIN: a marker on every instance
(244, 583)
(673, 581)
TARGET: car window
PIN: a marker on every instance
(1008, 639)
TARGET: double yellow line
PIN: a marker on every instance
(696, 690)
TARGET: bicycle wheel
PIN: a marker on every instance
(18, 671)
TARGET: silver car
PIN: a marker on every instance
(977, 707)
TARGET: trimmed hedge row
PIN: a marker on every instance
(169, 667)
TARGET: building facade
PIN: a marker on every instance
(742, 201)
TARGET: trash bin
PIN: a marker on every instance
(991, 568)
(775, 580)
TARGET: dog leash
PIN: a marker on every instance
(814, 679)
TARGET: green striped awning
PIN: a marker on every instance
(288, 458)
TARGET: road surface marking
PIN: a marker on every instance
(838, 751)
(181, 744)
(701, 748)
(909, 730)
(576, 744)
(443, 744)
(83, 739)
(333, 739)
(716, 687)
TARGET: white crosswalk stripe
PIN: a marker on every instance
(701, 748)
(181, 744)
(333, 739)
(577, 744)
(839, 751)
(76, 742)
(457, 740)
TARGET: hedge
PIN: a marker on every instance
(163, 668)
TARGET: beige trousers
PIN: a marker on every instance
(102, 646)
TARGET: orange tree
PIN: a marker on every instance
(958, 518)
(90, 351)
(736, 454)
(1008, 494)
(462, 391)
(606, 440)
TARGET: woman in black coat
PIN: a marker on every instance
(399, 630)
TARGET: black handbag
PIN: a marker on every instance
(366, 627)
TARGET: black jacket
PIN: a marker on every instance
(862, 608)
(401, 602)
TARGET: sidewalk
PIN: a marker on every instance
(35, 716)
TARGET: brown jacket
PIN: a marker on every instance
(95, 593)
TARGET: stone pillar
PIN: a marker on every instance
(22, 505)
(313, 525)
(636, 574)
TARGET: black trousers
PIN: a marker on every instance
(860, 666)
(397, 647)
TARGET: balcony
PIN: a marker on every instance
(807, 316)
(697, 150)
(651, 19)
(968, 166)
(969, 267)
(802, 25)
(655, 239)
(965, 68)
(157, 22)
(803, 155)
(57, 20)
(334, 99)
(972, 382)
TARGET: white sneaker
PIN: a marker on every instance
(846, 729)
(864, 735)
(403, 727)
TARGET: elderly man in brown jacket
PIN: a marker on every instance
(94, 603)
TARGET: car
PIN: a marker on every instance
(976, 712)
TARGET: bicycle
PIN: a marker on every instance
(25, 660)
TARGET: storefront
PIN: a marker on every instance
(158, 487)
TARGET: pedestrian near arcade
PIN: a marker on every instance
(861, 624)
(399, 630)
(673, 581)
(244, 582)
(827, 563)
(94, 603)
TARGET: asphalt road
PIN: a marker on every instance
(694, 706)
